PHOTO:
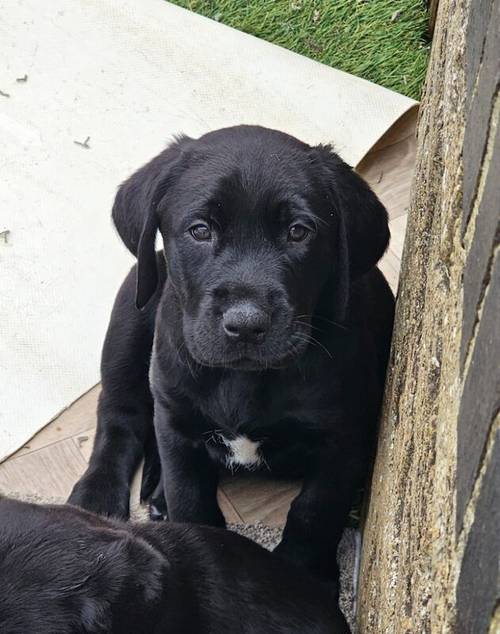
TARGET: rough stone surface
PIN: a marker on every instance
(428, 531)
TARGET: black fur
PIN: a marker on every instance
(306, 378)
(64, 570)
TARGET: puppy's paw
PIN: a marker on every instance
(156, 514)
(158, 506)
(307, 557)
(101, 495)
(288, 551)
(320, 567)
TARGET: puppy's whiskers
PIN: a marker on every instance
(320, 317)
(307, 325)
(314, 342)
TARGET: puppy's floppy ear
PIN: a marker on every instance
(135, 216)
(147, 272)
(341, 273)
(364, 218)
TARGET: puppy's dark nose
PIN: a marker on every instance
(245, 322)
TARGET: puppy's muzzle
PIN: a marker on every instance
(245, 322)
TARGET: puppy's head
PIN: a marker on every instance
(257, 226)
(65, 570)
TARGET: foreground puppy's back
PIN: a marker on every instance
(65, 570)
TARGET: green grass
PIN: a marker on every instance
(384, 41)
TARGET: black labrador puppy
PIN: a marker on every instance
(259, 337)
(64, 570)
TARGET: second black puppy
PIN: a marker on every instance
(64, 571)
(262, 335)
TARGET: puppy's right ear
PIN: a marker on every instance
(135, 213)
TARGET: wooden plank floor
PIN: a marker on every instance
(56, 457)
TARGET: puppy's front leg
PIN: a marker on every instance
(318, 515)
(123, 425)
(190, 477)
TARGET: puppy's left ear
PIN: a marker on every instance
(364, 218)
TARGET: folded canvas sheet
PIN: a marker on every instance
(91, 89)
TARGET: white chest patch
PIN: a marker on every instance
(242, 452)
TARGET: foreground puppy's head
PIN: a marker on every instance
(65, 570)
(257, 228)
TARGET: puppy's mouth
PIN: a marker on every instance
(243, 363)
(248, 365)
(249, 357)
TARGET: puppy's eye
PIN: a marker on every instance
(297, 233)
(201, 232)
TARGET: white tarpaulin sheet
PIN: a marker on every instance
(128, 74)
